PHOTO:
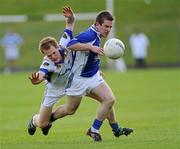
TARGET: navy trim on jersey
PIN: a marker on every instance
(44, 70)
(62, 52)
(69, 32)
(73, 54)
(47, 74)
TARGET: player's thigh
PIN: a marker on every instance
(45, 113)
(94, 96)
(103, 92)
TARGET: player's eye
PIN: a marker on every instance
(54, 52)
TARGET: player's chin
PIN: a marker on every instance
(55, 60)
(105, 35)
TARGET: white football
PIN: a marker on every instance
(114, 48)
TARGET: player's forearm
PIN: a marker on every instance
(70, 23)
(81, 47)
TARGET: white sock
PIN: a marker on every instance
(94, 130)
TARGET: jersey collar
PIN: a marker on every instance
(62, 52)
(95, 30)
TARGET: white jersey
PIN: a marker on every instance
(139, 44)
(56, 74)
(11, 43)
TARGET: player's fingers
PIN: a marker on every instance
(65, 8)
(69, 9)
(30, 78)
(101, 51)
(32, 75)
(37, 75)
(65, 11)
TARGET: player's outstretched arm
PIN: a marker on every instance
(85, 47)
(69, 14)
(36, 78)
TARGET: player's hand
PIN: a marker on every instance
(68, 12)
(98, 50)
(34, 78)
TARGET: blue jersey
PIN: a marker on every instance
(86, 63)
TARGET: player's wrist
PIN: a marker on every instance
(71, 19)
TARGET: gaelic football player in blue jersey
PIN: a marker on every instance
(86, 79)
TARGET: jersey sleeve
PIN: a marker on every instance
(65, 38)
(46, 66)
(84, 37)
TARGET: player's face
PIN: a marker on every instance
(53, 54)
(105, 28)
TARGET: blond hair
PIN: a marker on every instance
(46, 42)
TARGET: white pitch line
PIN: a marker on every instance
(13, 18)
(79, 16)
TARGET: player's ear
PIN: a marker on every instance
(96, 23)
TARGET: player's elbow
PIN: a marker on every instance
(71, 110)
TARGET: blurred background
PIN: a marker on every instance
(158, 19)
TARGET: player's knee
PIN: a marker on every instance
(111, 101)
(71, 111)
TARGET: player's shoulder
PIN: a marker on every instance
(67, 33)
(47, 62)
(88, 35)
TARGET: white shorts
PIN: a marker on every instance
(12, 54)
(80, 86)
(52, 95)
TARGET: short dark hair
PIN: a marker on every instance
(104, 15)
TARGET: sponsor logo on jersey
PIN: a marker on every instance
(58, 65)
(46, 64)
(64, 36)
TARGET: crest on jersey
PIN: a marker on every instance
(46, 64)
(64, 36)
(58, 65)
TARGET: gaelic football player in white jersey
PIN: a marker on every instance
(55, 70)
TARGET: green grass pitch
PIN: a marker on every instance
(147, 100)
